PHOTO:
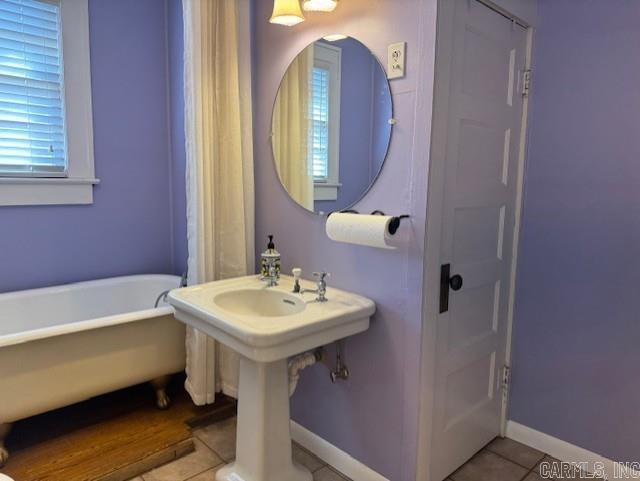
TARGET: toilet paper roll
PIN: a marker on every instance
(366, 230)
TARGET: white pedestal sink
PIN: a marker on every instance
(267, 325)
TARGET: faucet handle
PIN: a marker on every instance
(321, 275)
(297, 272)
(322, 285)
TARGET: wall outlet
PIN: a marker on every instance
(396, 60)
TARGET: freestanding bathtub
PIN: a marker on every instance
(61, 345)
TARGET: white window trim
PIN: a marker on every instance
(77, 187)
(330, 58)
(325, 191)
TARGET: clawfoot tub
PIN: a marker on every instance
(65, 344)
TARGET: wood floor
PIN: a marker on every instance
(110, 438)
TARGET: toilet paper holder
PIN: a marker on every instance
(394, 225)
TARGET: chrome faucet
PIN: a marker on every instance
(163, 295)
(322, 286)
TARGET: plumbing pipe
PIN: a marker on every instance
(300, 362)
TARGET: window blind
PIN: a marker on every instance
(319, 132)
(32, 135)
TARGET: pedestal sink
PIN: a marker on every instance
(267, 325)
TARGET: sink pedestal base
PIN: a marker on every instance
(263, 446)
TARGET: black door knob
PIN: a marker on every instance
(456, 282)
(447, 283)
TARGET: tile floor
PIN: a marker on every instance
(506, 460)
(500, 460)
(215, 447)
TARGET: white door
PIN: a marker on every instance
(477, 128)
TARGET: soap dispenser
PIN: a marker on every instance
(270, 257)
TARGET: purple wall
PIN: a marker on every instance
(373, 416)
(128, 228)
(576, 329)
(175, 34)
(362, 102)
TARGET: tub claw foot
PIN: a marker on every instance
(4, 456)
(163, 401)
(162, 398)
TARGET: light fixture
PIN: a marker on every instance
(320, 5)
(286, 12)
(334, 37)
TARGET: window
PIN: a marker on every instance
(32, 139)
(325, 121)
(46, 138)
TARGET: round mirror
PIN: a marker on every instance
(331, 124)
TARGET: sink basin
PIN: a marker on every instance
(267, 325)
(270, 323)
(259, 302)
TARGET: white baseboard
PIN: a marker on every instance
(333, 456)
(565, 451)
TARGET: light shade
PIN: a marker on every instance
(334, 37)
(320, 5)
(286, 12)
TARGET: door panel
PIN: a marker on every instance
(468, 394)
(473, 314)
(480, 139)
(478, 233)
(483, 57)
(483, 125)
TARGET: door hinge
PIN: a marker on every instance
(506, 381)
(526, 82)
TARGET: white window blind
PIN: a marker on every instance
(319, 132)
(32, 130)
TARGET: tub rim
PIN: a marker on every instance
(88, 324)
(101, 281)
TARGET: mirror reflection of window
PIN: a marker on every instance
(325, 121)
(320, 124)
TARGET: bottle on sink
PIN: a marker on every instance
(270, 257)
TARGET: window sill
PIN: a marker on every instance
(16, 191)
(326, 191)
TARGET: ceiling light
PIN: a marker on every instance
(320, 5)
(286, 12)
(335, 37)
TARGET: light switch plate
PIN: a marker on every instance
(396, 60)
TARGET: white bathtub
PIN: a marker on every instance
(61, 345)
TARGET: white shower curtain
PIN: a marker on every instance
(220, 217)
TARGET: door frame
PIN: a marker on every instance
(434, 218)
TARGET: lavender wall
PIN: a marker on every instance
(576, 327)
(360, 104)
(175, 34)
(128, 228)
(373, 416)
